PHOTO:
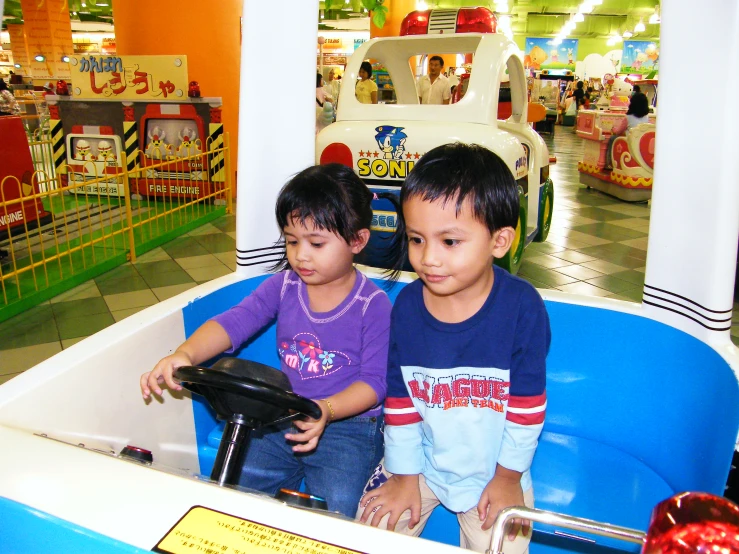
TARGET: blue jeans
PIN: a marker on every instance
(336, 470)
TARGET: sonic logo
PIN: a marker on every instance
(392, 160)
(522, 163)
(391, 141)
(396, 169)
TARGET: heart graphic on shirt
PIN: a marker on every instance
(304, 354)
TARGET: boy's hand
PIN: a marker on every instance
(312, 429)
(162, 373)
(398, 494)
(502, 492)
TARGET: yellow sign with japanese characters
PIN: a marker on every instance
(207, 531)
(157, 78)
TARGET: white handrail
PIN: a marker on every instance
(560, 520)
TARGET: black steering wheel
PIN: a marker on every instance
(247, 395)
(260, 393)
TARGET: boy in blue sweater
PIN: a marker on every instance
(467, 360)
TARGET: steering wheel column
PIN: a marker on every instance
(246, 395)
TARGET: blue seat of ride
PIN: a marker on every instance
(581, 478)
(637, 411)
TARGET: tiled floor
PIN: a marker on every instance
(597, 246)
(201, 255)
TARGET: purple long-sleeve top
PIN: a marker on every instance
(321, 352)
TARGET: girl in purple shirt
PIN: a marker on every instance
(332, 337)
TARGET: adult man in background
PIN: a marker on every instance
(332, 85)
(434, 87)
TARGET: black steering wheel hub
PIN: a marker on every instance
(248, 395)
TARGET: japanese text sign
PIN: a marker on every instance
(158, 78)
(211, 532)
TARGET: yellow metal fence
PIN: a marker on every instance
(65, 224)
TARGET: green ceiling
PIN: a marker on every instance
(528, 17)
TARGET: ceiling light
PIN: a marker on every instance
(585, 7)
(39, 57)
(65, 59)
(611, 41)
(628, 34)
(655, 18)
(640, 28)
(17, 65)
(501, 7)
(422, 6)
(578, 17)
(596, 2)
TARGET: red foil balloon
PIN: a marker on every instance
(693, 523)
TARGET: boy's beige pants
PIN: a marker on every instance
(471, 535)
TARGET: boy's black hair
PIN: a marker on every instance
(332, 195)
(459, 173)
(367, 67)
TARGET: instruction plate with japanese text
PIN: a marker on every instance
(209, 532)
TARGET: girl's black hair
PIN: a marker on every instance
(3, 85)
(319, 77)
(331, 195)
(639, 105)
(367, 67)
(458, 173)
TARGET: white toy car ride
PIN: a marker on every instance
(382, 142)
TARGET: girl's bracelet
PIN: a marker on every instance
(330, 409)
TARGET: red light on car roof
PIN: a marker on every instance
(476, 20)
(415, 23)
(469, 20)
(337, 153)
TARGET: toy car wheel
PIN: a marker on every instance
(546, 206)
(512, 260)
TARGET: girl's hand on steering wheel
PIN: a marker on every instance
(312, 429)
(162, 373)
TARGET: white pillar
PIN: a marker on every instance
(695, 210)
(277, 119)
